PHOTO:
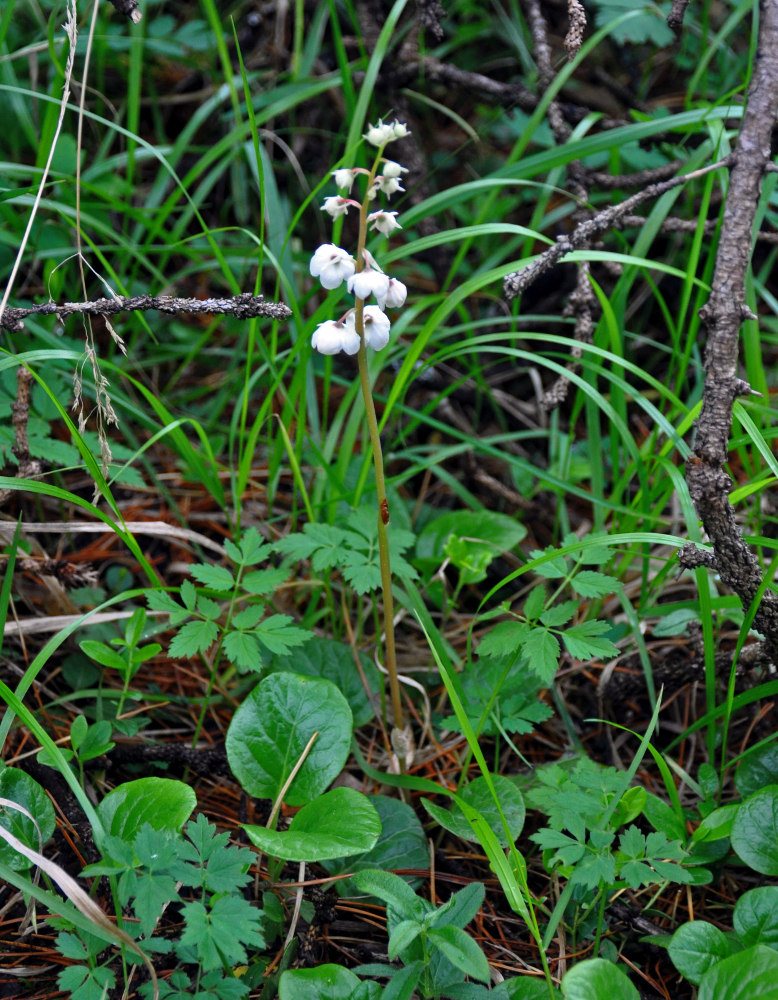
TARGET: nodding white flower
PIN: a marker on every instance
(392, 169)
(384, 222)
(380, 134)
(395, 296)
(331, 265)
(344, 178)
(389, 185)
(376, 327)
(335, 205)
(332, 337)
(365, 283)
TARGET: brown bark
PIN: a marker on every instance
(709, 484)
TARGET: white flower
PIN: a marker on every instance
(399, 130)
(344, 178)
(332, 337)
(380, 134)
(365, 283)
(376, 327)
(331, 265)
(389, 185)
(384, 222)
(335, 205)
(392, 169)
(395, 296)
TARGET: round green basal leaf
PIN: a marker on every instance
(20, 788)
(478, 795)
(402, 844)
(271, 729)
(334, 825)
(755, 831)
(334, 661)
(529, 988)
(164, 803)
(470, 539)
(325, 982)
(755, 919)
(758, 768)
(696, 947)
(597, 977)
(749, 975)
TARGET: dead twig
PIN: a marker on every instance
(243, 306)
(723, 314)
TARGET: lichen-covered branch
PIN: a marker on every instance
(709, 484)
(244, 306)
(519, 281)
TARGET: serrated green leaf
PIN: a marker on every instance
(535, 602)
(160, 600)
(559, 614)
(279, 635)
(248, 617)
(505, 638)
(242, 649)
(208, 608)
(264, 581)
(218, 578)
(233, 552)
(554, 569)
(585, 642)
(252, 547)
(542, 651)
(189, 595)
(590, 583)
(193, 638)
(298, 545)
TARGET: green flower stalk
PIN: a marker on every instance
(362, 327)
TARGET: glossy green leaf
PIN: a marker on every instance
(749, 975)
(325, 982)
(755, 918)
(18, 787)
(597, 979)
(461, 950)
(164, 803)
(479, 796)
(755, 831)
(697, 946)
(271, 729)
(334, 661)
(401, 844)
(470, 539)
(339, 823)
(759, 767)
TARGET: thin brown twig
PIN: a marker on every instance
(243, 306)
(519, 281)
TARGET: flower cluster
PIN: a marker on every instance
(332, 265)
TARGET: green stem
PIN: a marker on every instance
(383, 513)
(378, 462)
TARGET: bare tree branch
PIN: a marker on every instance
(519, 281)
(244, 306)
(709, 484)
